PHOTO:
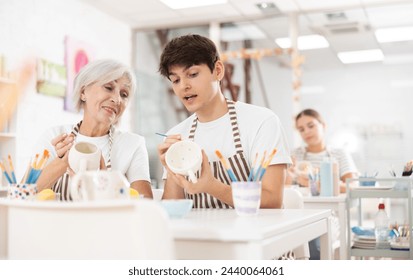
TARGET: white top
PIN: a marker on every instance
(260, 130)
(345, 161)
(129, 154)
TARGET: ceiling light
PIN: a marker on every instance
(265, 5)
(307, 42)
(339, 16)
(395, 34)
(361, 56)
(183, 4)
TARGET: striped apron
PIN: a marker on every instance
(62, 184)
(238, 164)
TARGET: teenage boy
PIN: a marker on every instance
(240, 131)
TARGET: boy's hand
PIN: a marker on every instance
(163, 147)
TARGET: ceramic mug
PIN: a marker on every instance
(185, 158)
(99, 185)
(84, 156)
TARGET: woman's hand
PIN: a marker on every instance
(163, 147)
(302, 180)
(62, 144)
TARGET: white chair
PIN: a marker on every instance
(93, 230)
(293, 199)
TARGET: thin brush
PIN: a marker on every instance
(252, 167)
(226, 166)
(41, 162)
(261, 166)
(160, 134)
(5, 173)
(26, 174)
(13, 175)
(34, 164)
(270, 157)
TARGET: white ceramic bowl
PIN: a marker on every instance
(177, 208)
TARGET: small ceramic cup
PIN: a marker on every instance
(84, 156)
(22, 191)
(185, 158)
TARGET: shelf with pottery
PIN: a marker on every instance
(388, 188)
(8, 132)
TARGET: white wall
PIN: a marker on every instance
(38, 28)
(364, 111)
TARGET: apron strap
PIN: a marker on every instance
(234, 124)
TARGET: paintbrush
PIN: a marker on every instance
(226, 166)
(270, 157)
(5, 173)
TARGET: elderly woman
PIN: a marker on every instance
(102, 89)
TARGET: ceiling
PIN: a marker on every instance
(347, 24)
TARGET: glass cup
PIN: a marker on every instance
(22, 191)
(246, 197)
(314, 187)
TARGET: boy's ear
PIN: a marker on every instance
(220, 70)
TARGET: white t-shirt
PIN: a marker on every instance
(129, 154)
(260, 130)
(345, 161)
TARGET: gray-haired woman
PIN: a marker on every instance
(102, 89)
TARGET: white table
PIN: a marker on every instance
(221, 234)
(335, 203)
(90, 230)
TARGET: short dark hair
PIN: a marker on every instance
(186, 51)
(310, 113)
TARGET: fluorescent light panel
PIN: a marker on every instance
(307, 42)
(395, 34)
(183, 4)
(361, 56)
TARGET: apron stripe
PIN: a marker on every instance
(223, 175)
(220, 204)
(206, 200)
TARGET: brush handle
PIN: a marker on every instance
(8, 177)
(232, 175)
(160, 134)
